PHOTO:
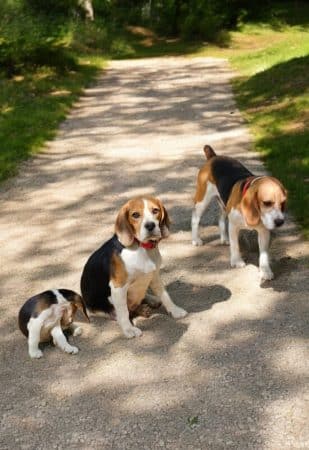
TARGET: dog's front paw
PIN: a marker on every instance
(71, 349)
(237, 262)
(266, 274)
(77, 331)
(35, 354)
(132, 332)
(178, 313)
(197, 242)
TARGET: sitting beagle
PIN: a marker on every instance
(117, 275)
(255, 202)
(45, 316)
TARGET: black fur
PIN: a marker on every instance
(226, 172)
(48, 298)
(96, 276)
(28, 310)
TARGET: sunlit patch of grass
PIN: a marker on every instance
(273, 93)
(35, 104)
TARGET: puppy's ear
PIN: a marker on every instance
(123, 228)
(164, 222)
(80, 305)
(250, 208)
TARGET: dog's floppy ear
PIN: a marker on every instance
(80, 305)
(250, 208)
(123, 228)
(164, 222)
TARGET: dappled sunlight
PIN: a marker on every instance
(225, 363)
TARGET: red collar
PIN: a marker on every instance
(248, 183)
(147, 245)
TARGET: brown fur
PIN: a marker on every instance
(265, 189)
(127, 226)
(204, 176)
(119, 275)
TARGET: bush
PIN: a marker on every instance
(27, 41)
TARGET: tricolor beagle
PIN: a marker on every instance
(45, 316)
(249, 201)
(116, 276)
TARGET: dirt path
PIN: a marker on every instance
(230, 375)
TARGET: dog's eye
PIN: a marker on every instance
(136, 215)
(267, 204)
(155, 211)
(282, 206)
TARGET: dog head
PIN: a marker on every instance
(75, 303)
(144, 219)
(264, 201)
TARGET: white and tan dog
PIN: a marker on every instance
(254, 202)
(116, 277)
(44, 317)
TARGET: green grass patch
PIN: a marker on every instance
(273, 93)
(32, 106)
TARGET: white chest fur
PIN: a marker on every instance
(140, 261)
(141, 265)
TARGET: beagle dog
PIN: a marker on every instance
(45, 316)
(117, 275)
(249, 201)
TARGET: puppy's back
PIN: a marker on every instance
(33, 307)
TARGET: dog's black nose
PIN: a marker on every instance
(150, 226)
(279, 222)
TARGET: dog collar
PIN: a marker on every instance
(147, 245)
(248, 183)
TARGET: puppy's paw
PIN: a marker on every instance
(237, 262)
(197, 242)
(178, 313)
(35, 354)
(132, 332)
(266, 274)
(71, 349)
(224, 241)
(78, 331)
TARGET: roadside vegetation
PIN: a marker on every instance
(49, 51)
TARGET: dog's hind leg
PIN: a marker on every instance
(34, 326)
(199, 209)
(224, 239)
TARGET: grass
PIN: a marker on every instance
(272, 91)
(32, 106)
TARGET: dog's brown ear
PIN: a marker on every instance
(250, 208)
(164, 221)
(123, 228)
(80, 305)
(209, 152)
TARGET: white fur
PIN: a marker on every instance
(60, 340)
(48, 323)
(268, 218)
(236, 222)
(198, 211)
(149, 217)
(143, 270)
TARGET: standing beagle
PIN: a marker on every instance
(116, 276)
(45, 316)
(255, 202)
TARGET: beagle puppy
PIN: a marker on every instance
(117, 275)
(45, 316)
(249, 201)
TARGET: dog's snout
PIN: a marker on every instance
(150, 226)
(279, 222)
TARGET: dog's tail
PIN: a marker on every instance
(209, 152)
